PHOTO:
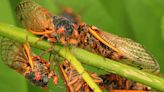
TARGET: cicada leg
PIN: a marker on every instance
(28, 52)
(86, 88)
(41, 33)
(79, 84)
(66, 78)
(27, 70)
(74, 80)
(55, 79)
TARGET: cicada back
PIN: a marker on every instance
(34, 17)
(20, 58)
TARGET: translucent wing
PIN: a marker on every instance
(34, 17)
(13, 54)
(134, 52)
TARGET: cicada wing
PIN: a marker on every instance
(34, 17)
(13, 54)
(134, 52)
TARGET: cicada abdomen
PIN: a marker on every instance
(74, 80)
(35, 18)
(20, 58)
(117, 48)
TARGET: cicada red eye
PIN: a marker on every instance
(48, 64)
(37, 76)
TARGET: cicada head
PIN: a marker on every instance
(65, 29)
(34, 17)
(40, 74)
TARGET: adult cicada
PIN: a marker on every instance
(110, 45)
(63, 30)
(20, 58)
(39, 21)
(116, 83)
(117, 48)
(74, 80)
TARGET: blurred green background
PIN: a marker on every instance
(140, 20)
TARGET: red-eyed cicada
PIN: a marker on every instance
(117, 48)
(39, 21)
(74, 80)
(63, 30)
(20, 58)
(113, 82)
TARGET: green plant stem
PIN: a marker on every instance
(22, 36)
(87, 58)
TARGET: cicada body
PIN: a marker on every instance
(117, 48)
(20, 58)
(74, 80)
(40, 21)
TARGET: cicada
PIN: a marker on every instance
(117, 48)
(40, 21)
(74, 80)
(63, 30)
(115, 82)
(20, 58)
